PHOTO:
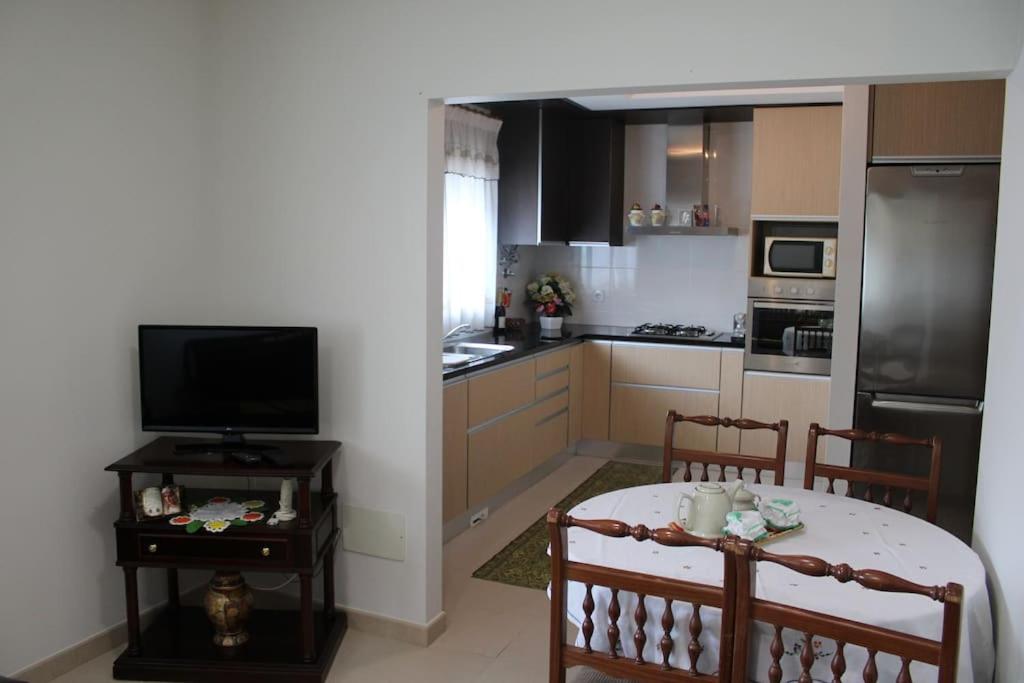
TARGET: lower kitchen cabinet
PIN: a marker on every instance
(576, 394)
(638, 415)
(499, 453)
(770, 397)
(597, 368)
(454, 448)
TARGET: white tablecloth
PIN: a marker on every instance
(838, 529)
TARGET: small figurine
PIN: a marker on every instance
(285, 512)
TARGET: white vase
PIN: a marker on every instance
(550, 326)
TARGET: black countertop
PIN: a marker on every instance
(528, 342)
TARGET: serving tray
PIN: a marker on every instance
(772, 535)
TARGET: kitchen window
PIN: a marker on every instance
(470, 217)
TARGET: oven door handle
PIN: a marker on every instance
(778, 304)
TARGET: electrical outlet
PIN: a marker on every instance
(479, 517)
(598, 295)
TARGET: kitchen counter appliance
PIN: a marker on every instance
(929, 246)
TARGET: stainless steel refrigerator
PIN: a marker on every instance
(929, 245)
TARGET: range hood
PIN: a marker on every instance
(707, 162)
(687, 160)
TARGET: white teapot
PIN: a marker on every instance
(709, 505)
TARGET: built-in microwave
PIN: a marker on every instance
(800, 257)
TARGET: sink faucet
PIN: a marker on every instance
(456, 330)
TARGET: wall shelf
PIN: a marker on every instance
(718, 231)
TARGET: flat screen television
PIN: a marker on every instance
(228, 380)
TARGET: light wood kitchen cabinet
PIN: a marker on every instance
(730, 398)
(648, 380)
(951, 119)
(576, 394)
(665, 365)
(638, 415)
(454, 449)
(499, 453)
(796, 161)
(500, 391)
(770, 397)
(597, 364)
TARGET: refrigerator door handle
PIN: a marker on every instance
(974, 408)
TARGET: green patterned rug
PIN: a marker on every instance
(524, 562)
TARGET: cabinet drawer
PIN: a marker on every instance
(552, 383)
(499, 453)
(213, 549)
(500, 391)
(550, 436)
(665, 365)
(550, 362)
(638, 416)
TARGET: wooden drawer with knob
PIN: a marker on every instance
(214, 549)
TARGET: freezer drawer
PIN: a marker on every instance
(957, 423)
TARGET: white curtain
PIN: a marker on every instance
(470, 218)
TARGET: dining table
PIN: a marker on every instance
(837, 529)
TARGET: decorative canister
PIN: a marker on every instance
(228, 602)
(657, 216)
(636, 215)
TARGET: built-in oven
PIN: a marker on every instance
(799, 257)
(789, 325)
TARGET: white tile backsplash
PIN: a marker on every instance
(700, 280)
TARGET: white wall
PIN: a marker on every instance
(100, 229)
(323, 176)
(1001, 471)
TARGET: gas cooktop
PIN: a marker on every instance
(670, 330)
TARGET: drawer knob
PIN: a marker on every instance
(152, 547)
(265, 552)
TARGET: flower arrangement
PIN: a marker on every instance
(551, 295)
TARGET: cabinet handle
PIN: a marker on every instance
(152, 547)
(265, 552)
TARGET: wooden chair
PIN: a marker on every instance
(723, 460)
(612, 663)
(870, 478)
(749, 608)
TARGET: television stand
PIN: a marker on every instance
(236, 447)
(294, 645)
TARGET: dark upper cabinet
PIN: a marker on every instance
(595, 181)
(561, 175)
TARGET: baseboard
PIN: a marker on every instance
(58, 664)
(73, 656)
(396, 629)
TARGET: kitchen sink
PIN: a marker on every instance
(451, 360)
(467, 352)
